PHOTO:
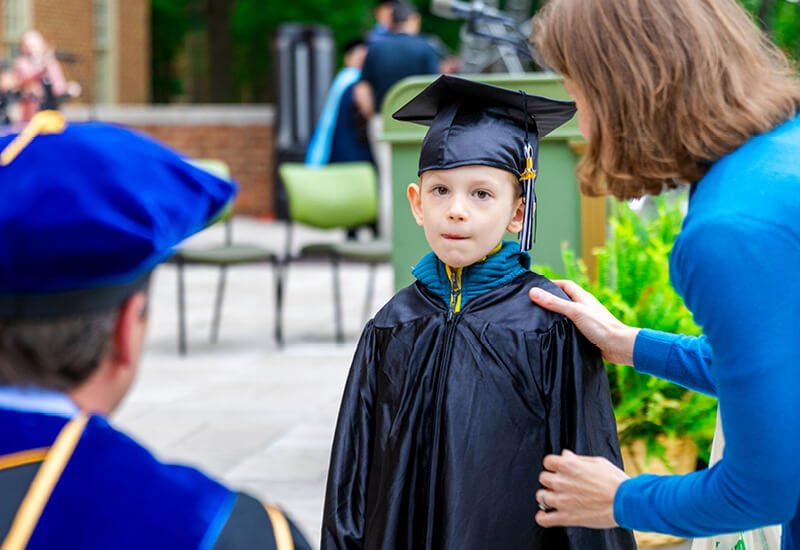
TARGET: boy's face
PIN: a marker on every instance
(465, 211)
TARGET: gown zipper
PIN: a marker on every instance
(455, 291)
(451, 319)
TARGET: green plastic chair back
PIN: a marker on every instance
(330, 196)
(217, 167)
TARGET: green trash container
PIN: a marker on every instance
(564, 215)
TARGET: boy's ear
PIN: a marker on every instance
(515, 225)
(415, 200)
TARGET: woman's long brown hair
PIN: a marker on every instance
(671, 86)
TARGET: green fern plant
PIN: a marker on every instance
(633, 283)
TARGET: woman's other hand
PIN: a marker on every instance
(578, 490)
(614, 339)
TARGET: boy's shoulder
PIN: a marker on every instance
(409, 304)
(510, 305)
(536, 280)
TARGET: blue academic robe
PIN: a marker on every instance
(114, 494)
(336, 137)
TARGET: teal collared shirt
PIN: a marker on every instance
(495, 270)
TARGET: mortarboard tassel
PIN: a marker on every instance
(528, 179)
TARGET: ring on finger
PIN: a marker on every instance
(542, 504)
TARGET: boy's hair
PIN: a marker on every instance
(671, 86)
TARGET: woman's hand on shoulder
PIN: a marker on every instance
(614, 338)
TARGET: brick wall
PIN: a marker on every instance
(247, 150)
(242, 136)
(68, 25)
(134, 51)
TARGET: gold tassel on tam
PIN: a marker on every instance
(43, 122)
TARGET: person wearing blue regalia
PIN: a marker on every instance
(86, 212)
(341, 131)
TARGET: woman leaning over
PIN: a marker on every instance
(690, 92)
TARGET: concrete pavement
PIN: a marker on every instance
(259, 417)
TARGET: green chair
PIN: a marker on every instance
(334, 196)
(223, 256)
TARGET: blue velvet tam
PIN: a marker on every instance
(86, 214)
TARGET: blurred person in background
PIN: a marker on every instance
(400, 54)
(39, 76)
(341, 132)
(383, 20)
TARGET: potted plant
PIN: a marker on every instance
(663, 428)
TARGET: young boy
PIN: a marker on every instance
(460, 385)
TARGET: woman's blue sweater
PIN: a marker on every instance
(736, 263)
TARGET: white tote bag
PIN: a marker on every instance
(764, 538)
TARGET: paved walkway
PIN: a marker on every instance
(259, 417)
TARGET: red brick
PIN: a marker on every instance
(246, 149)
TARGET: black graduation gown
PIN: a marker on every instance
(446, 418)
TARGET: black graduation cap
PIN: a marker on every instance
(476, 123)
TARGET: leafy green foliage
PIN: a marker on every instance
(169, 25)
(253, 23)
(780, 19)
(633, 283)
(785, 28)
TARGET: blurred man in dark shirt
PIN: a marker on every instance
(399, 54)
